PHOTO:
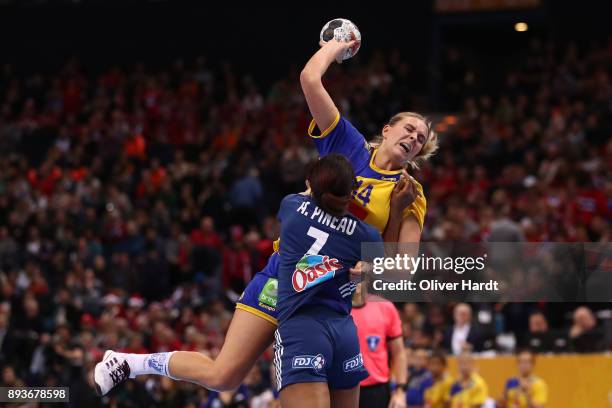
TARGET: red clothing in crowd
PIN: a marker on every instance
(139, 350)
(135, 147)
(589, 203)
(236, 267)
(206, 239)
(158, 346)
(45, 183)
(265, 248)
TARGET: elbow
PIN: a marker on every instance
(308, 78)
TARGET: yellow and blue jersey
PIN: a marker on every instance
(470, 393)
(437, 393)
(515, 397)
(371, 202)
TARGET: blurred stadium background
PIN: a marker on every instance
(145, 147)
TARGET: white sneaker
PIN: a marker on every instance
(111, 371)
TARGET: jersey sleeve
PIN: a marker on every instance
(426, 389)
(511, 383)
(340, 137)
(540, 392)
(480, 393)
(282, 209)
(394, 323)
(446, 388)
(454, 389)
(286, 205)
(375, 247)
(418, 208)
(428, 396)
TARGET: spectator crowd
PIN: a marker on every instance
(136, 205)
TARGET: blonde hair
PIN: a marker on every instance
(430, 147)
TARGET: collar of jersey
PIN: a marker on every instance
(379, 170)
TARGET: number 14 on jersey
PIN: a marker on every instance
(363, 194)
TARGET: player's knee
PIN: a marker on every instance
(223, 379)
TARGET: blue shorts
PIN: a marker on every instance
(261, 293)
(318, 345)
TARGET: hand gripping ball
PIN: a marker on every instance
(342, 30)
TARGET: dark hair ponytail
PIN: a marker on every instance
(332, 181)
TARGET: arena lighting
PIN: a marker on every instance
(521, 27)
(450, 120)
(441, 127)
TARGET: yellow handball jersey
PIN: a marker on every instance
(438, 393)
(371, 200)
(516, 398)
(466, 395)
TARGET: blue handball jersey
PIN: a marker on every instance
(316, 252)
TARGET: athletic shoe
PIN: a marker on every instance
(110, 372)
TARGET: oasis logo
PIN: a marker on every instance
(317, 362)
(354, 363)
(313, 270)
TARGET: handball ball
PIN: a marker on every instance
(342, 30)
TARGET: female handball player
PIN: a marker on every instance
(405, 142)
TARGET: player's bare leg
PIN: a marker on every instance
(348, 398)
(305, 395)
(247, 338)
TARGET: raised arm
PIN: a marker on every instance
(321, 105)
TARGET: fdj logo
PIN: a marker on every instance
(269, 293)
(317, 362)
(354, 363)
(373, 342)
(312, 270)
